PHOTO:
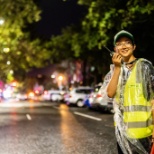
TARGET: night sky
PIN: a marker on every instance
(57, 14)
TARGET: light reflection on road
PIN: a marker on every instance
(12, 103)
(68, 132)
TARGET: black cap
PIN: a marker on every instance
(121, 34)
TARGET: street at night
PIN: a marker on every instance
(60, 60)
(54, 128)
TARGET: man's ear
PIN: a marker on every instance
(115, 50)
(134, 46)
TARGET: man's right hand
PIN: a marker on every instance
(116, 59)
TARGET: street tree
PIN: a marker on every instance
(98, 27)
(105, 18)
(18, 52)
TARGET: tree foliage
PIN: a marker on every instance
(98, 27)
(105, 18)
(18, 52)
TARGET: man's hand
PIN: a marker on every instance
(116, 59)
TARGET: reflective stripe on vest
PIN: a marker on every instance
(140, 124)
(137, 108)
(137, 114)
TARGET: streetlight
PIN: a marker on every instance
(60, 82)
(60, 78)
(53, 76)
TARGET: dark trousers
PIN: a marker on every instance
(119, 149)
(146, 143)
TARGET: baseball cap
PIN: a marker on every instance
(121, 34)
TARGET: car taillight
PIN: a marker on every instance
(31, 94)
(36, 92)
(45, 92)
(98, 95)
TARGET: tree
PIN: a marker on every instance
(105, 18)
(98, 27)
(18, 53)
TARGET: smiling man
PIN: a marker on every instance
(132, 87)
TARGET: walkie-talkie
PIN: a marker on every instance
(111, 52)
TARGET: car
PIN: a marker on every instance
(21, 96)
(100, 101)
(90, 98)
(56, 97)
(78, 94)
(66, 96)
(53, 95)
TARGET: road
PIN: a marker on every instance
(54, 128)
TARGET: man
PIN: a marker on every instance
(132, 87)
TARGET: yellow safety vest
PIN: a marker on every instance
(137, 114)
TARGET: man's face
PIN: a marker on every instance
(124, 47)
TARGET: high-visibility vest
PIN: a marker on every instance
(137, 115)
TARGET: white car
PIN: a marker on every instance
(78, 95)
(21, 96)
(100, 101)
(53, 95)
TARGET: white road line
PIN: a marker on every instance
(55, 107)
(109, 126)
(28, 117)
(88, 116)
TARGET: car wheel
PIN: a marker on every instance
(79, 103)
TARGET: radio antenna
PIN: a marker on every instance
(111, 52)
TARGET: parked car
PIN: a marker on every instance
(78, 95)
(31, 95)
(53, 95)
(90, 98)
(66, 96)
(21, 96)
(100, 101)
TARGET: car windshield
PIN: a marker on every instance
(84, 91)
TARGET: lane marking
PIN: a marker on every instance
(88, 116)
(109, 126)
(55, 107)
(28, 117)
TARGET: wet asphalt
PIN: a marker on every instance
(54, 128)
